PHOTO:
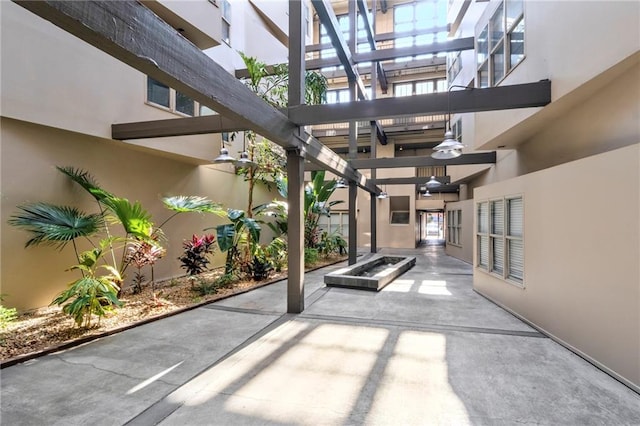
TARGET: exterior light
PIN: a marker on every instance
(382, 195)
(426, 193)
(433, 183)
(244, 161)
(449, 147)
(224, 156)
(341, 183)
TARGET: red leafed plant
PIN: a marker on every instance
(194, 259)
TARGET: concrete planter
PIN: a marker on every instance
(371, 274)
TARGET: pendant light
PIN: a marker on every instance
(449, 147)
(433, 183)
(224, 156)
(341, 183)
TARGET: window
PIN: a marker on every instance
(454, 65)
(226, 21)
(423, 15)
(420, 87)
(399, 207)
(454, 227)
(456, 129)
(336, 223)
(500, 248)
(159, 94)
(500, 43)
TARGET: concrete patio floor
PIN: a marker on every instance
(425, 350)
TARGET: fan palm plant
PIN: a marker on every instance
(55, 225)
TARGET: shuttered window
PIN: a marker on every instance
(499, 233)
(497, 237)
(482, 235)
(515, 226)
(454, 227)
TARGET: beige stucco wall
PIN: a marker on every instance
(561, 39)
(463, 251)
(30, 152)
(581, 248)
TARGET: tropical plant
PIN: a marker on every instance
(194, 257)
(190, 204)
(316, 204)
(331, 243)
(50, 224)
(231, 235)
(7, 315)
(141, 254)
(260, 266)
(90, 294)
(276, 252)
(311, 256)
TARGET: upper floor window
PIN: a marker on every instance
(423, 15)
(162, 95)
(343, 23)
(421, 87)
(337, 96)
(226, 21)
(500, 43)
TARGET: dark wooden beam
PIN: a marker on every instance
(328, 19)
(472, 100)
(388, 163)
(370, 34)
(444, 180)
(205, 124)
(402, 52)
(133, 34)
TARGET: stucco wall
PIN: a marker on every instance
(581, 248)
(30, 152)
(463, 251)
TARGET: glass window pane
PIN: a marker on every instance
(483, 47)
(424, 87)
(514, 10)
(157, 92)
(483, 251)
(497, 62)
(404, 89)
(516, 260)
(205, 110)
(403, 13)
(515, 210)
(184, 104)
(497, 249)
(332, 97)
(497, 27)
(483, 75)
(483, 217)
(497, 217)
(516, 44)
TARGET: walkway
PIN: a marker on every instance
(425, 350)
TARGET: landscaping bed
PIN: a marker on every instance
(40, 331)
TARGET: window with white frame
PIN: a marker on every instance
(161, 95)
(500, 43)
(420, 87)
(499, 234)
(226, 21)
(456, 129)
(454, 227)
(336, 223)
(423, 15)
(337, 96)
(454, 65)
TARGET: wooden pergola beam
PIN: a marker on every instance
(423, 161)
(473, 100)
(133, 34)
(185, 126)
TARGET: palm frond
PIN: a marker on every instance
(133, 217)
(85, 180)
(55, 225)
(192, 203)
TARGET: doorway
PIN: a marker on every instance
(431, 227)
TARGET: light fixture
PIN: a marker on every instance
(449, 147)
(244, 162)
(341, 183)
(426, 193)
(433, 183)
(224, 156)
(383, 194)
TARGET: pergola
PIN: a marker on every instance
(133, 34)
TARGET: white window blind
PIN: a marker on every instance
(483, 237)
(497, 237)
(515, 226)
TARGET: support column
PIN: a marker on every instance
(295, 165)
(373, 143)
(353, 223)
(295, 233)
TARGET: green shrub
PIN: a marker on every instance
(310, 256)
(7, 315)
(205, 287)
